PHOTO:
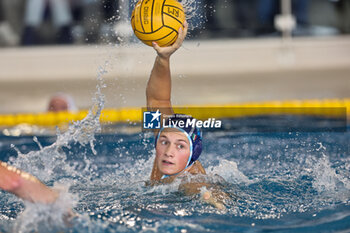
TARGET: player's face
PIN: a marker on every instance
(172, 152)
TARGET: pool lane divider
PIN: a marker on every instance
(111, 116)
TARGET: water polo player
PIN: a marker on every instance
(177, 148)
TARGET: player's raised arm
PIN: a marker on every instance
(158, 92)
(24, 185)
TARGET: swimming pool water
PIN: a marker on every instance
(283, 181)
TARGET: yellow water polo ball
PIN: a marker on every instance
(157, 20)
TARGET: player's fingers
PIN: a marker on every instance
(206, 196)
(183, 31)
(185, 28)
(156, 46)
(179, 40)
(220, 206)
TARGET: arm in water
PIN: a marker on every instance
(208, 193)
(24, 185)
(158, 91)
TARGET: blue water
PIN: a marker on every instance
(279, 182)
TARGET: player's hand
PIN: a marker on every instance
(207, 197)
(166, 52)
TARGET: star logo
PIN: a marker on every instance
(151, 120)
(156, 115)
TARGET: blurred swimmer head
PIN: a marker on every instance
(61, 102)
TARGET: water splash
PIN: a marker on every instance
(229, 171)
(51, 159)
(327, 181)
(41, 217)
(50, 165)
(194, 14)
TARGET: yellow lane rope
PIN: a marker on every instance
(299, 107)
